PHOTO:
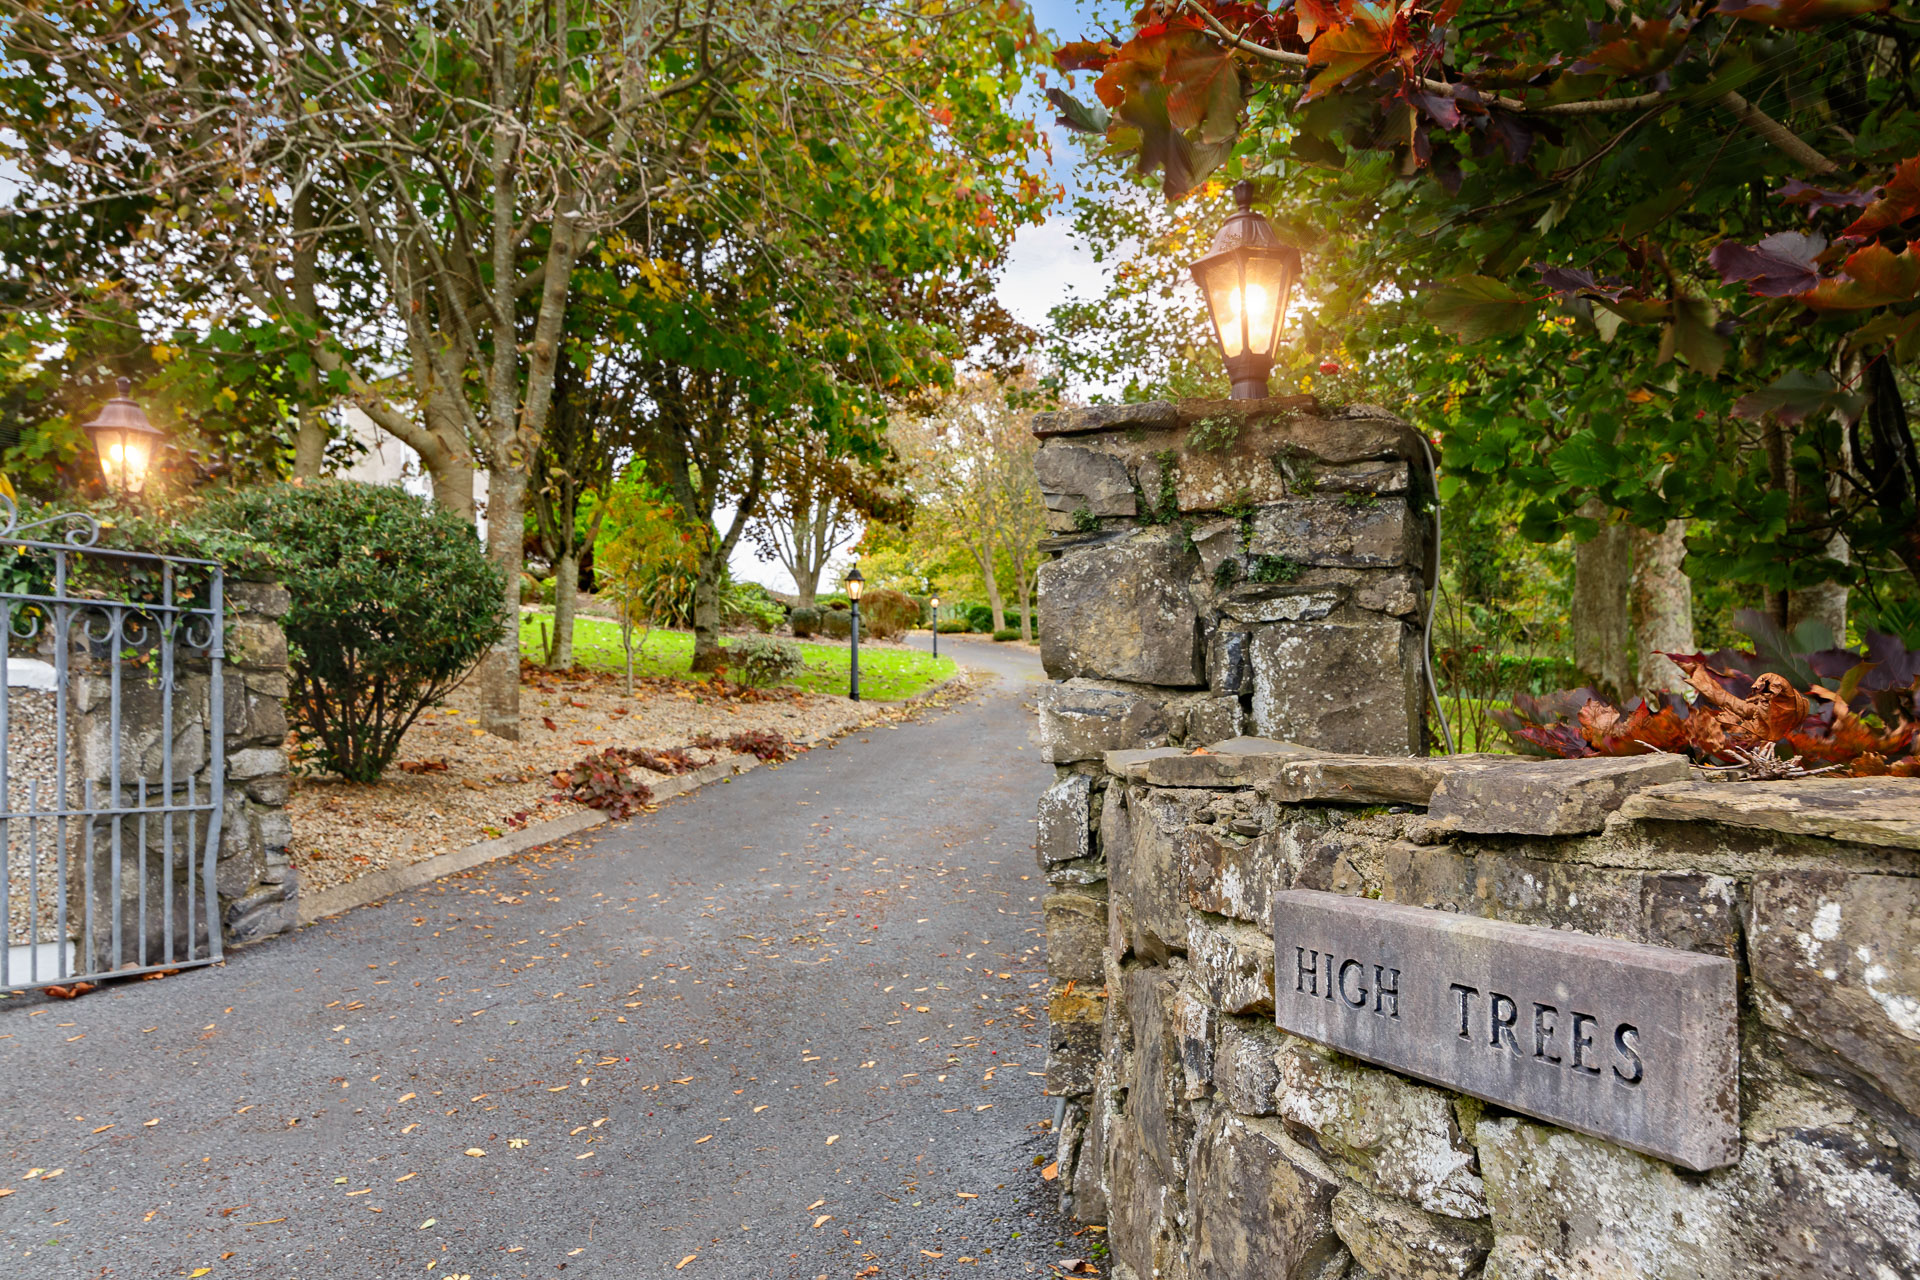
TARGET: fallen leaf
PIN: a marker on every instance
(150, 1123)
(967, 1195)
(830, 1141)
(587, 1155)
(200, 1271)
(6, 1191)
(931, 1254)
(103, 1128)
(574, 1253)
(822, 1219)
(1051, 1172)
(429, 1222)
(407, 1097)
(475, 1151)
(403, 1177)
(815, 1205)
(684, 1261)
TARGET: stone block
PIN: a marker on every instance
(267, 599)
(1089, 1170)
(1824, 1204)
(268, 684)
(1234, 963)
(1370, 779)
(1340, 686)
(1193, 1023)
(1148, 874)
(1143, 1209)
(1246, 1070)
(1132, 763)
(1689, 911)
(1395, 1241)
(1229, 662)
(1231, 875)
(1564, 1204)
(255, 762)
(1396, 1137)
(1835, 960)
(1154, 1089)
(1254, 603)
(1072, 476)
(262, 913)
(1081, 721)
(1065, 820)
(1076, 934)
(256, 643)
(1212, 720)
(1235, 762)
(1338, 532)
(1549, 797)
(268, 791)
(1066, 1151)
(1121, 611)
(1260, 1206)
(1073, 1041)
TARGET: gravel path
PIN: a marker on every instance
(788, 1027)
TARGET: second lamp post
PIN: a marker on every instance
(854, 585)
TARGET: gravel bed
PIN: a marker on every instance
(343, 830)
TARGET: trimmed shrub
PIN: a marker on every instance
(748, 604)
(804, 622)
(1007, 633)
(978, 616)
(885, 614)
(953, 626)
(763, 660)
(836, 623)
(393, 603)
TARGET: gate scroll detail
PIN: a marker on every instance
(112, 754)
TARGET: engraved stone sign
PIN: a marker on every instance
(1632, 1043)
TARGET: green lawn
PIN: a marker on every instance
(886, 673)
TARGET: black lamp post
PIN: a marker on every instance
(126, 443)
(855, 583)
(1247, 277)
(936, 628)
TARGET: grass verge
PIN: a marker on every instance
(886, 673)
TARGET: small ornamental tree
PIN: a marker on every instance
(393, 602)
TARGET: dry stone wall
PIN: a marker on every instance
(1214, 1146)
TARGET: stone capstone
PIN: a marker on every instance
(1080, 721)
(1549, 797)
(1877, 811)
(1121, 611)
(1340, 686)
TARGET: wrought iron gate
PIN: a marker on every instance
(112, 759)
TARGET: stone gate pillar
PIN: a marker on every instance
(1233, 567)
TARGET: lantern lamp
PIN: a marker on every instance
(125, 441)
(854, 583)
(1246, 278)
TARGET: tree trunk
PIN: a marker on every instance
(310, 444)
(1601, 569)
(1662, 606)
(708, 654)
(1824, 602)
(566, 600)
(499, 672)
(993, 599)
(806, 585)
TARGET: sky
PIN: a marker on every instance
(1045, 259)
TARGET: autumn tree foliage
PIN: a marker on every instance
(1630, 262)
